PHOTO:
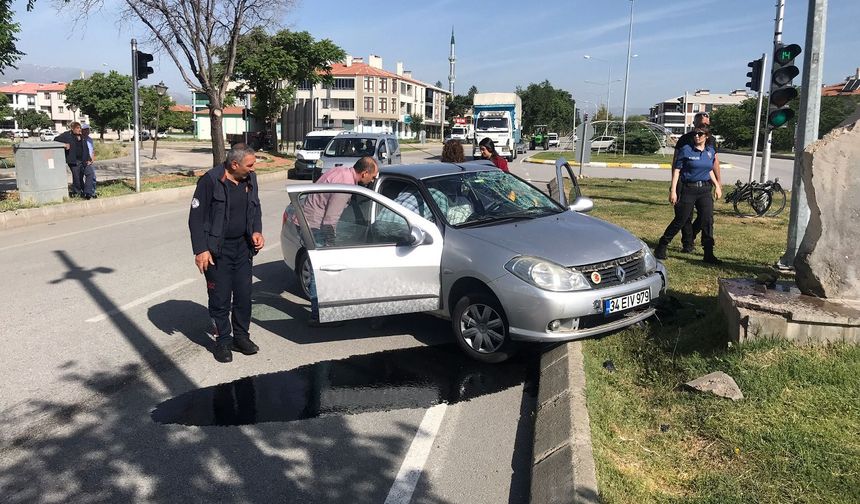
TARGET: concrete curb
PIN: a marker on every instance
(563, 469)
(29, 216)
(661, 166)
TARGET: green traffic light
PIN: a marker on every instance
(778, 118)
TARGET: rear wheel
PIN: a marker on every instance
(481, 328)
(777, 203)
(304, 275)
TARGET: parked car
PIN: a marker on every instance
(47, 135)
(552, 139)
(144, 136)
(347, 147)
(308, 155)
(498, 257)
(522, 147)
(606, 143)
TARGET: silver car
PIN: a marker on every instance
(492, 253)
(346, 148)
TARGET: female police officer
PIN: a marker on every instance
(692, 180)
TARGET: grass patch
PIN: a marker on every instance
(795, 438)
(605, 157)
(266, 163)
(110, 150)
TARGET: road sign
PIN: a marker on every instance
(407, 119)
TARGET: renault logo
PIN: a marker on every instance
(620, 273)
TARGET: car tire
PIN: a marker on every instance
(304, 274)
(478, 320)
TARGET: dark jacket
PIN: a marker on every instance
(71, 153)
(207, 219)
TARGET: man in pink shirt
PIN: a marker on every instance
(322, 210)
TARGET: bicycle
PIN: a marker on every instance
(759, 199)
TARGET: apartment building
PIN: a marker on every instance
(676, 114)
(367, 98)
(49, 98)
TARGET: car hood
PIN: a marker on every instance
(568, 238)
(308, 155)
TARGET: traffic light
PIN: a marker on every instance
(781, 89)
(142, 61)
(754, 74)
(585, 118)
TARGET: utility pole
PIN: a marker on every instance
(626, 83)
(777, 40)
(136, 111)
(807, 125)
(762, 73)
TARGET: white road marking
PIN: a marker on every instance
(139, 301)
(87, 230)
(407, 478)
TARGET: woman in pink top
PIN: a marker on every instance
(488, 151)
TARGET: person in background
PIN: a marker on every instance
(77, 157)
(488, 151)
(90, 169)
(226, 232)
(693, 179)
(452, 152)
(692, 228)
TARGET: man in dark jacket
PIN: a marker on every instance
(78, 158)
(226, 231)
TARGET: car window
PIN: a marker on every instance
(340, 220)
(475, 197)
(392, 145)
(407, 194)
(351, 147)
(381, 150)
(316, 142)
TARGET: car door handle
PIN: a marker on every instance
(333, 267)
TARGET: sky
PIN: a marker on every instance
(680, 45)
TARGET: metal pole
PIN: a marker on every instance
(626, 82)
(608, 96)
(758, 115)
(777, 39)
(135, 108)
(155, 140)
(807, 125)
(685, 111)
(573, 133)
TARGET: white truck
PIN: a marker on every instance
(498, 116)
(462, 133)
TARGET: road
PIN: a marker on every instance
(111, 395)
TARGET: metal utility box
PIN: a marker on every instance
(41, 172)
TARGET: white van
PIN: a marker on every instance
(307, 158)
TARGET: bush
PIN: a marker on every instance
(641, 142)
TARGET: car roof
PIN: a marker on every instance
(330, 133)
(428, 170)
(366, 135)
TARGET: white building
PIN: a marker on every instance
(367, 98)
(49, 98)
(676, 114)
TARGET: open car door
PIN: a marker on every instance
(370, 256)
(571, 198)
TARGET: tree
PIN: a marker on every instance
(471, 93)
(5, 109)
(9, 53)
(276, 64)
(105, 98)
(178, 120)
(457, 106)
(193, 34)
(641, 141)
(544, 104)
(417, 123)
(439, 84)
(33, 120)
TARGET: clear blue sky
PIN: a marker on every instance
(681, 44)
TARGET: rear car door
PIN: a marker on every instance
(370, 256)
(394, 150)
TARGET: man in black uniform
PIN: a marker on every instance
(78, 158)
(226, 231)
(692, 228)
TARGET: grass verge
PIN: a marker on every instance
(795, 438)
(604, 158)
(266, 163)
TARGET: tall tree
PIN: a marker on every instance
(9, 53)
(32, 120)
(471, 93)
(276, 64)
(192, 34)
(105, 98)
(544, 104)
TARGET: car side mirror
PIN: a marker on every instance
(415, 237)
(383, 155)
(582, 205)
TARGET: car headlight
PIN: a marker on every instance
(547, 275)
(650, 260)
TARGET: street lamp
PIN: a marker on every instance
(74, 109)
(608, 88)
(160, 89)
(626, 82)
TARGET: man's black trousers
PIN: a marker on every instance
(229, 285)
(83, 179)
(690, 197)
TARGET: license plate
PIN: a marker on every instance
(627, 301)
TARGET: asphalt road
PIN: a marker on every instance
(110, 394)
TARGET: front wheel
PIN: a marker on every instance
(777, 201)
(481, 328)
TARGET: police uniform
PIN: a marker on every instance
(223, 217)
(691, 228)
(694, 190)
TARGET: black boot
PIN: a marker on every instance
(688, 248)
(223, 352)
(710, 258)
(660, 251)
